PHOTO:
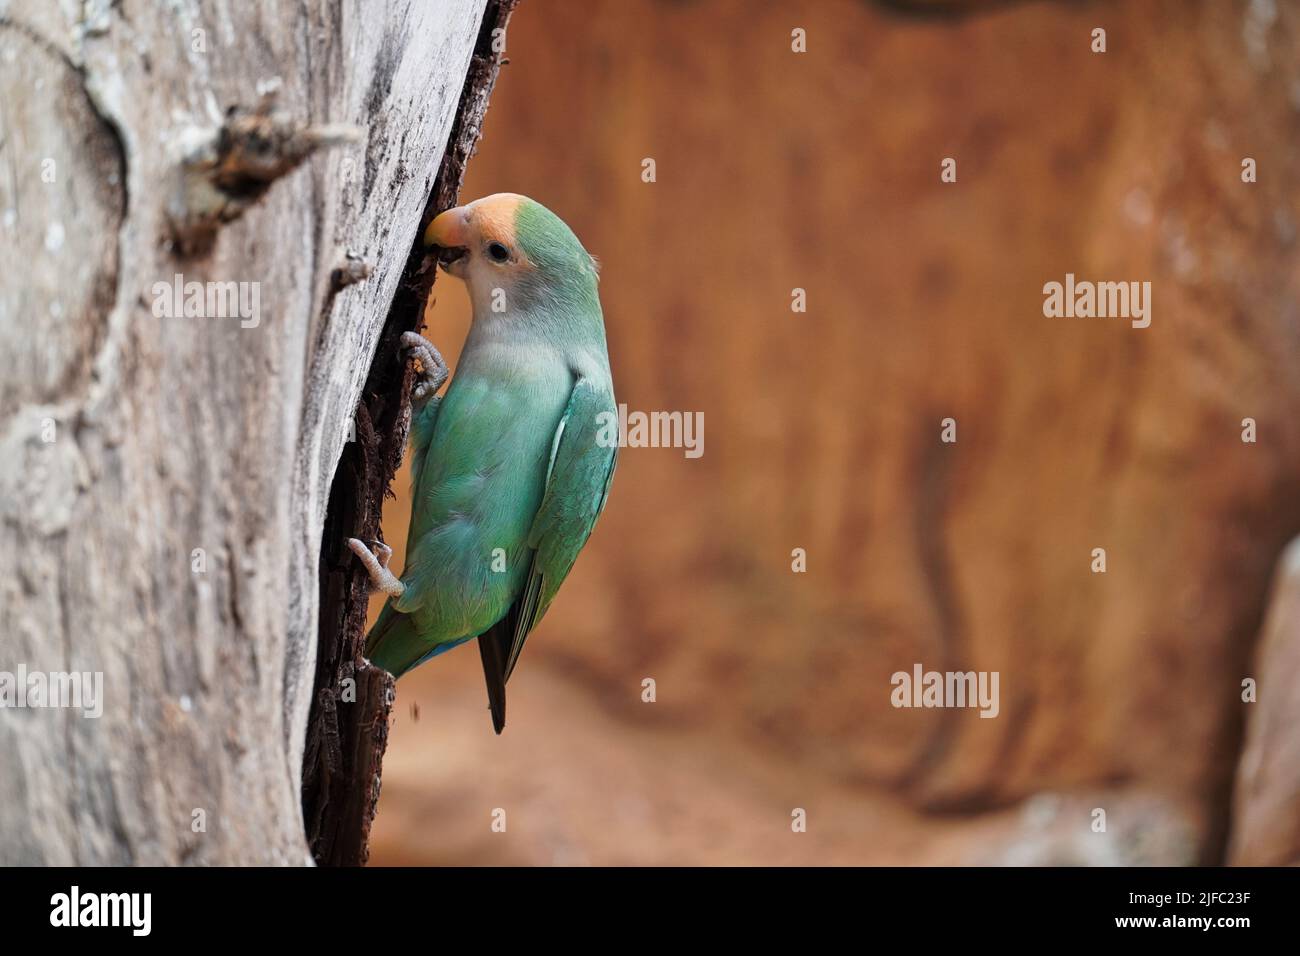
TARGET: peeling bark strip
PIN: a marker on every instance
(346, 740)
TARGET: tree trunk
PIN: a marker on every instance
(165, 475)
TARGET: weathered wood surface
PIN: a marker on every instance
(189, 443)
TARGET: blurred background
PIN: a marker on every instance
(778, 170)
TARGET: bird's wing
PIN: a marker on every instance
(577, 484)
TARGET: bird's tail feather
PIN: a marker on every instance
(494, 672)
(494, 648)
(396, 646)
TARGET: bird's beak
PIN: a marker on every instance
(449, 231)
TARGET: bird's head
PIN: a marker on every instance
(506, 247)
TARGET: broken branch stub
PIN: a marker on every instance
(223, 171)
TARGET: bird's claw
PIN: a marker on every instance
(378, 567)
(433, 370)
(382, 552)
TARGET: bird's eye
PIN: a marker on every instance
(498, 252)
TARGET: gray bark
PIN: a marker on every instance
(164, 480)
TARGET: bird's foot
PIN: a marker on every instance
(378, 567)
(433, 370)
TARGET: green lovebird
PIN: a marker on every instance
(512, 467)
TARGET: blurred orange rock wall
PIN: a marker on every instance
(820, 171)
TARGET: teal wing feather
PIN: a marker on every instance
(577, 484)
(422, 422)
